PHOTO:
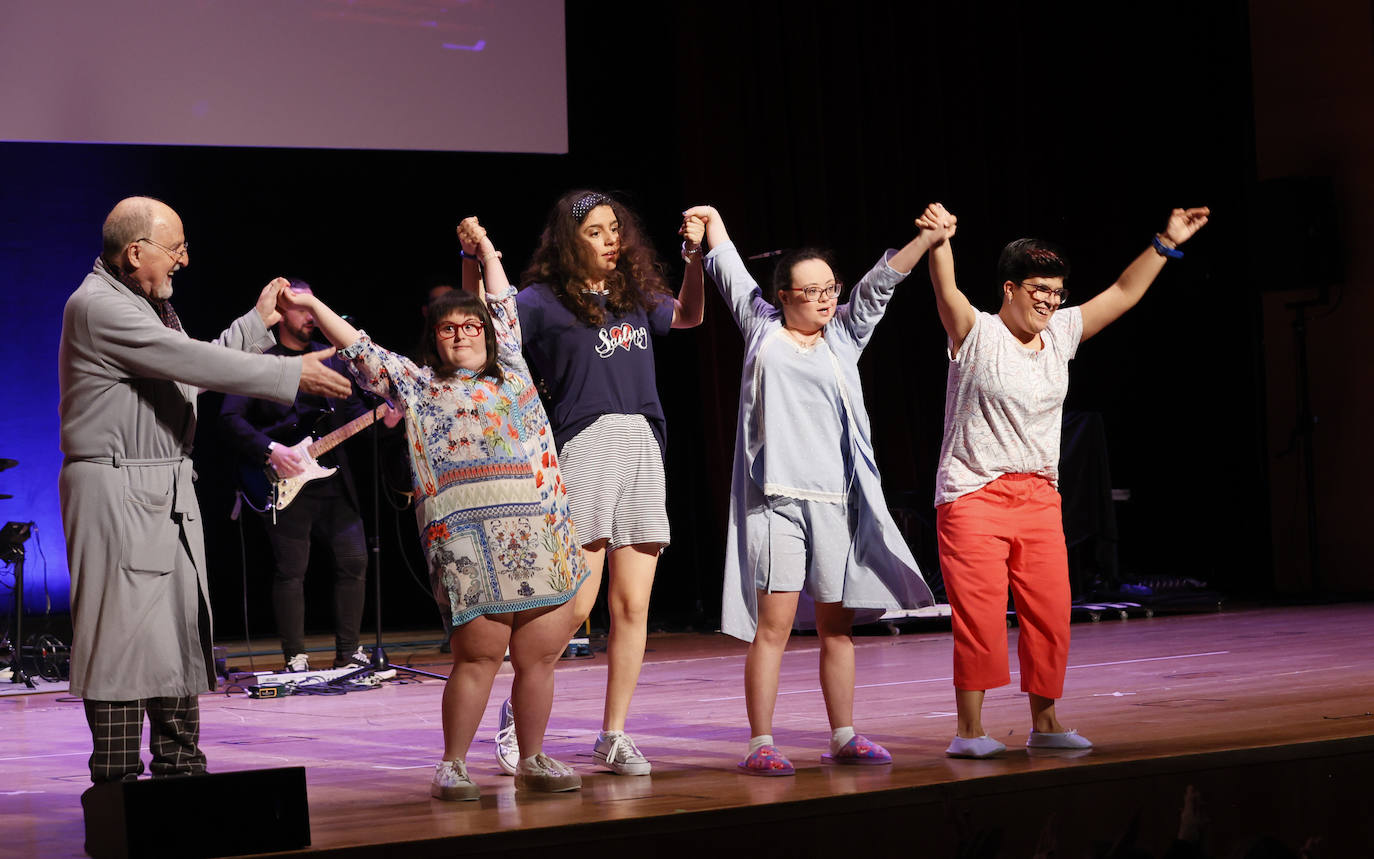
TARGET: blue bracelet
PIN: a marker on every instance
(1166, 251)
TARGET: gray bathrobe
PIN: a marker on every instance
(140, 601)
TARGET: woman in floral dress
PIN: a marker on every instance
(492, 510)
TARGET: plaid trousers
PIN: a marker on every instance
(117, 729)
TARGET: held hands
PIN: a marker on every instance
(318, 378)
(269, 299)
(289, 299)
(693, 230)
(939, 222)
(1183, 223)
(470, 236)
(711, 223)
(285, 461)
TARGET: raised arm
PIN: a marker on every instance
(500, 298)
(715, 227)
(481, 261)
(741, 293)
(377, 370)
(690, 307)
(868, 302)
(336, 328)
(956, 312)
(1107, 306)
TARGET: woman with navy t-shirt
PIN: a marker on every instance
(593, 298)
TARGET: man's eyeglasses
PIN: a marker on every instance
(178, 254)
(814, 293)
(1041, 292)
(449, 330)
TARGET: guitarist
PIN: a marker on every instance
(326, 509)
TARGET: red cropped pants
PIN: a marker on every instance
(1010, 532)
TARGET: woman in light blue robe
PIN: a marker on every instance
(807, 513)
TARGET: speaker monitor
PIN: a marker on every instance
(178, 816)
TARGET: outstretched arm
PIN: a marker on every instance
(1107, 306)
(333, 326)
(956, 312)
(690, 306)
(868, 302)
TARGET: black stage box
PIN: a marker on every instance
(182, 816)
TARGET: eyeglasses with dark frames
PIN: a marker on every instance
(815, 293)
(1041, 292)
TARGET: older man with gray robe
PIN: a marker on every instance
(129, 378)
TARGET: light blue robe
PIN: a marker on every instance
(880, 573)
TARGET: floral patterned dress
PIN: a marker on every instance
(491, 505)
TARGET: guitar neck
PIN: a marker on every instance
(357, 425)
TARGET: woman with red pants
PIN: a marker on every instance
(997, 505)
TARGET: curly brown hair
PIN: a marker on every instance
(565, 261)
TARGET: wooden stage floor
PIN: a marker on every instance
(1147, 691)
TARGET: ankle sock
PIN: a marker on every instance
(756, 743)
(839, 737)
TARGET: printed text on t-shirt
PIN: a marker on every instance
(624, 336)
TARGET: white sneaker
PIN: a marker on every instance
(362, 659)
(1057, 740)
(299, 662)
(543, 773)
(507, 748)
(619, 753)
(451, 782)
(974, 747)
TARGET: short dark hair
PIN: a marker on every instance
(460, 302)
(782, 272)
(1025, 258)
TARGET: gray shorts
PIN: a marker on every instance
(616, 491)
(808, 547)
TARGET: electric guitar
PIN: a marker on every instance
(264, 489)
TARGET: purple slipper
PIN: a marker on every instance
(767, 761)
(860, 751)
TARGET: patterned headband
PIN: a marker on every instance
(586, 203)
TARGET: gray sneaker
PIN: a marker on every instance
(507, 748)
(451, 782)
(620, 755)
(546, 775)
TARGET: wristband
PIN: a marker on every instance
(1166, 251)
(688, 254)
(479, 258)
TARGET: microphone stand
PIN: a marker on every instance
(13, 551)
(379, 659)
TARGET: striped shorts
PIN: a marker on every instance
(616, 491)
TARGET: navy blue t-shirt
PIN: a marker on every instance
(592, 371)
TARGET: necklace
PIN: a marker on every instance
(806, 341)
